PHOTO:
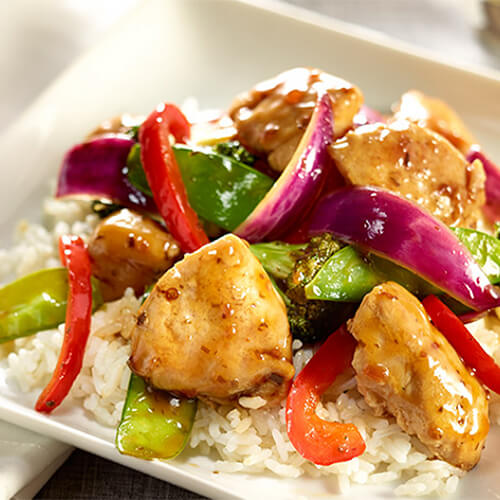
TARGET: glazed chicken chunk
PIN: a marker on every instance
(436, 115)
(405, 367)
(121, 124)
(417, 164)
(215, 328)
(130, 250)
(271, 118)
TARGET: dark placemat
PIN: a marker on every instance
(85, 476)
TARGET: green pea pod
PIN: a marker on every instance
(276, 257)
(220, 189)
(136, 174)
(345, 277)
(154, 423)
(349, 275)
(484, 248)
(37, 302)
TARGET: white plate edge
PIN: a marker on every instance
(20, 415)
(299, 14)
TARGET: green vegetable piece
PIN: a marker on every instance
(277, 258)
(294, 266)
(393, 272)
(147, 292)
(37, 302)
(220, 189)
(236, 151)
(103, 208)
(484, 248)
(346, 277)
(154, 423)
(496, 230)
(136, 174)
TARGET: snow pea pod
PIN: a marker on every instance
(37, 302)
(220, 190)
(277, 257)
(345, 277)
(348, 275)
(154, 424)
(484, 248)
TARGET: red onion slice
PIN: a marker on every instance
(366, 116)
(98, 169)
(396, 229)
(299, 184)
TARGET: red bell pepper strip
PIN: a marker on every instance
(164, 177)
(317, 440)
(75, 257)
(467, 347)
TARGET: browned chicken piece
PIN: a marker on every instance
(405, 367)
(121, 124)
(271, 118)
(215, 328)
(434, 114)
(415, 163)
(130, 250)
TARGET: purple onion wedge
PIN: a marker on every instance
(492, 172)
(299, 184)
(396, 229)
(366, 116)
(97, 169)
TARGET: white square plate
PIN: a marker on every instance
(213, 49)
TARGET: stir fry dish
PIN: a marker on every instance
(298, 284)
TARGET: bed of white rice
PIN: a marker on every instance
(248, 438)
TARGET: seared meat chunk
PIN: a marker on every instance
(436, 115)
(121, 124)
(415, 163)
(130, 250)
(214, 327)
(271, 118)
(405, 366)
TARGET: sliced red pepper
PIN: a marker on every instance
(317, 440)
(164, 177)
(467, 347)
(75, 257)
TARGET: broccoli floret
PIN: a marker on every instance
(133, 132)
(236, 151)
(308, 262)
(293, 267)
(313, 320)
(317, 319)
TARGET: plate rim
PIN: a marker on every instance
(19, 415)
(372, 36)
(298, 14)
